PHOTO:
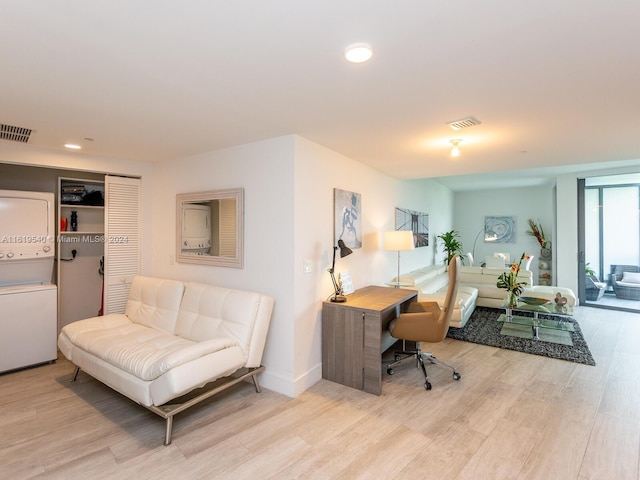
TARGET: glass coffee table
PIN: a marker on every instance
(553, 328)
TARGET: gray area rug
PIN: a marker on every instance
(483, 328)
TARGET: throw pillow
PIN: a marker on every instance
(631, 277)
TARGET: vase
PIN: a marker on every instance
(512, 300)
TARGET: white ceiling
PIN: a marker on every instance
(553, 82)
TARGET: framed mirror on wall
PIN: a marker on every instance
(209, 228)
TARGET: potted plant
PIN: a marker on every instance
(588, 270)
(509, 281)
(451, 243)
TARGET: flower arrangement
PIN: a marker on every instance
(509, 280)
(536, 231)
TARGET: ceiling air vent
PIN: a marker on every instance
(15, 134)
(464, 123)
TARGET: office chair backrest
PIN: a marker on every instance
(428, 321)
(452, 293)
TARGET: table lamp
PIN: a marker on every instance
(399, 240)
(337, 285)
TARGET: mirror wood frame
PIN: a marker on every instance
(202, 197)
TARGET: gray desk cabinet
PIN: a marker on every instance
(354, 335)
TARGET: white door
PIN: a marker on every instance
(122, 240)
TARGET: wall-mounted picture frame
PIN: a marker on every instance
(347, 213)
(500, 229)
(416, 222)
(346, 282)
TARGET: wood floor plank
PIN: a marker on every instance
(612, 451)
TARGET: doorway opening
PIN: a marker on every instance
(609, 231)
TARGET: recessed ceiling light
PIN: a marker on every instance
(72, 146)
(358, 52)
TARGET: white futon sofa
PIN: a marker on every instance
(173, 338)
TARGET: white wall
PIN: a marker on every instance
(537, 203)
(317, 172)
(566, 249)
(265, 170)
(288, 183)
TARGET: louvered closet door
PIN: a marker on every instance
(122, 240)
(227, 227)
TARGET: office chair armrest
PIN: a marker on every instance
(431, 307)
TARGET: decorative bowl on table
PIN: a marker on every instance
(533, 300)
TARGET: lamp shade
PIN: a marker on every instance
(399, 240)
(344, 250)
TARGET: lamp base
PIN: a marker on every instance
(339, 299)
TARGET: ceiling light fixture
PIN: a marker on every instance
(72, 146)
(455, 150)
(358, 52)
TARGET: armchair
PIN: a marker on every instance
(594, 288)
(625, 280)
(426, 322)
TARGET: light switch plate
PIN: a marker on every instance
(306, 268)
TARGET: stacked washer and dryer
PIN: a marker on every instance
(28, 297)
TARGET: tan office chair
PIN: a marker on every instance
(426, 322)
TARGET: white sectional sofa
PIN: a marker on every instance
(484, 279)
(477, 287)
(172, 339)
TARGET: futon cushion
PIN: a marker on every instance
(209, 311)
(141, 351)
(154, 302)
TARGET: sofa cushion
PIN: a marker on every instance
(208, 312)
(141, 351)
(154, 302)
(549, 293)
(421, 275)
(435, 284)
(630, 278)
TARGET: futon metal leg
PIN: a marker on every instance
(167, 435)
(75, 374)
(255, 383)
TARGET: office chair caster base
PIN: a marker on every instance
(390, 371)
(427, 385)
(456, 376)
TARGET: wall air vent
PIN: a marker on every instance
(15, 134)
(464, 123)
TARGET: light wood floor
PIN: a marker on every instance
(512, 416)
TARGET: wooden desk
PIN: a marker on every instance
(354, 335)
